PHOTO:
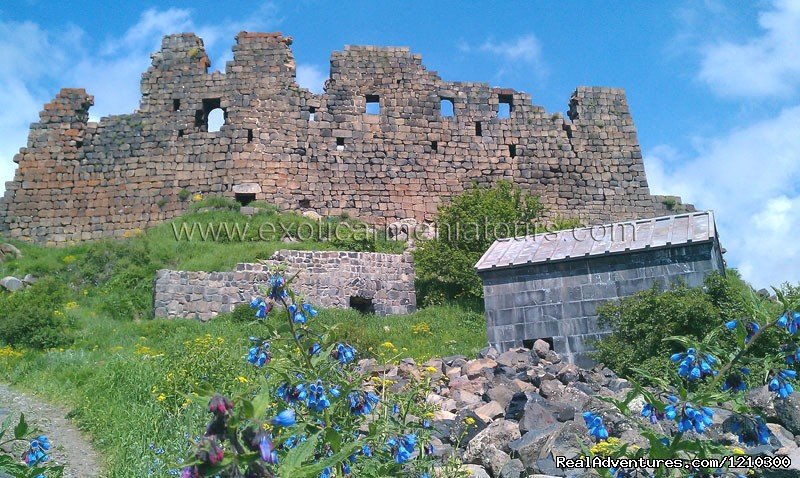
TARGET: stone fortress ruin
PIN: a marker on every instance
(387, 140)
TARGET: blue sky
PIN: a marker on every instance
(714, 87)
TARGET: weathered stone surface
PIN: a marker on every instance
(379, 283)
(535, 416)
(498, 434)
(11, 283)
(787, 412)
(80, 180)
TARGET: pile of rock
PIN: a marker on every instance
(509, 415)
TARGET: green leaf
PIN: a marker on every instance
(303, 452)
(248, 409)
(21, 430)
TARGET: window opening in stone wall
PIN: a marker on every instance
(512, 150)
(528, 343)
(249, 135)
(312, 114)
(180, 133)
(176, 105)
(216, 118)
(245, 198)
(305, 203)
(478, 129)
(434, 146)
(362, 304)
(339, 144)
(446, 108)
(506, 106)
(373, 105)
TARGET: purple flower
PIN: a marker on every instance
(219, 405)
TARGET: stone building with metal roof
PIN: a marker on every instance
(548, 286)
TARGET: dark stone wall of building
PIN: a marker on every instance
(78, 180)
(559, 301)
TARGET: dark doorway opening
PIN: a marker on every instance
(363, 305)
(245, 198)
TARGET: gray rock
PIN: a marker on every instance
(476, 471)
(498, 434)
(540, 347)
(30, 279)
(788, 412)
(527, 448)
(11, 283)
(568, 374)
(513, 469)
(535, 416)
(462, 433)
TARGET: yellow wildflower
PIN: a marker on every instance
(242, 379)
(70, 305)
(161, 398)
(197, 197)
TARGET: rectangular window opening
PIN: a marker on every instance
(180, 133)
(478, 129)
(373, 105)
(249, 135)
(434, 146)
(506, 106)
(176, 105)
(305, 203)
(512, 150)
(339, 144)
(446, 109)
(312, 114)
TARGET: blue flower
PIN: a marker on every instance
(362, 403)
(694, 366)
(752, 330)
(317, 400)
(731, 324)
(326, 473)
(292, 393)
(651, 413)
(335, 392)
(595, 426)
(315, 349)
(37, 449)
(259, 355)
(286, 418)
(276, 288)
(262, 308)
(780, 383)
(750, 430)
(299, 318)
(735, 381)
(366, 451)
(402, 449)
(790, 321)
(793, 357)
(266, 448)
(312, 312)
(697, 419)
(344, 353)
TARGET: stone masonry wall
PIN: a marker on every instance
(326, 279)
(78, 180)
(559, 301)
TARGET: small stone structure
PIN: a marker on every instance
(378, 144)
(369, 282)
(549, 286)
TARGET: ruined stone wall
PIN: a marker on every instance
(80, 180)
(371, 282)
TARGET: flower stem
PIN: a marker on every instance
(724, 370)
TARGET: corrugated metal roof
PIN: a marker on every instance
(617, 238)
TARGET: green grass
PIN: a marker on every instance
(121, 362)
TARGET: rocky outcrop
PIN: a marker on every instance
(511, 414)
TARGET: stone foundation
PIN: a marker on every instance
(370, 282)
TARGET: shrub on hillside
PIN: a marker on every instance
(641, 323)
(465, 229)
(35, 316)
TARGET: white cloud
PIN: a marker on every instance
(749, 176)
(520, 54)
(311, 77)
(762, 66)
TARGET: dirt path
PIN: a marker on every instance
(70, 447)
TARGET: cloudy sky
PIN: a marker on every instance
(714, 87)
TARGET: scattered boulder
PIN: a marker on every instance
(313, 215)
(11, 283)
(787, 412)
(30, 279)
(535, 416)
(499, 434)
(9, 251)
(540, 347)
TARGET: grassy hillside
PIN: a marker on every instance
(126, 376)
